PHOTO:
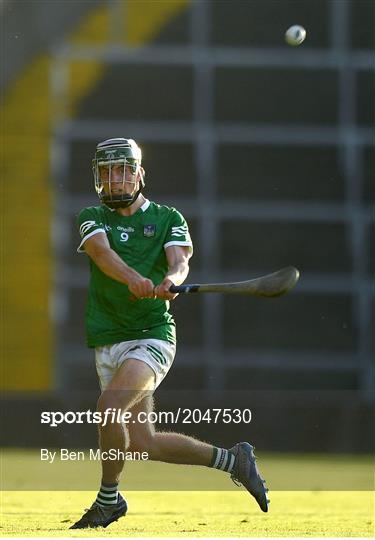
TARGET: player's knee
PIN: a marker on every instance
(142, 443)
(108, 401)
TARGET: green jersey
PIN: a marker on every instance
(113, 314)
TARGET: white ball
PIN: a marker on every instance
(295, 35)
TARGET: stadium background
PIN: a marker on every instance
(267, 150)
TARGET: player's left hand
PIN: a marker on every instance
(162, 291)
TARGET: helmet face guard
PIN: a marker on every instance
(116, 165)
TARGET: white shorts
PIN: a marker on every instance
(158, 354)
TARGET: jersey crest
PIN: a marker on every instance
(149, 230)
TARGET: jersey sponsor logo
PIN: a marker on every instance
(182, 230)
(149, 230)
(86, 226)
(125, 229)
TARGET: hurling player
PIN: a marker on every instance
(137, 249)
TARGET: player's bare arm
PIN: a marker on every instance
(99, 250)
(178, 270)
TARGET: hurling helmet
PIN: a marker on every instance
(111, 152)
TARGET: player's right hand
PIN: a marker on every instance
(141, 287)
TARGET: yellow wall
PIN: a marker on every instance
(27, 339)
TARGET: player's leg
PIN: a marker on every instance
(130, 384)
(239, 461)
(171, 447)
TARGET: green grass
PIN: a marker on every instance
(305, 508)
(197, 514)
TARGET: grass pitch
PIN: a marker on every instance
(194, 514)
(226, 511)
